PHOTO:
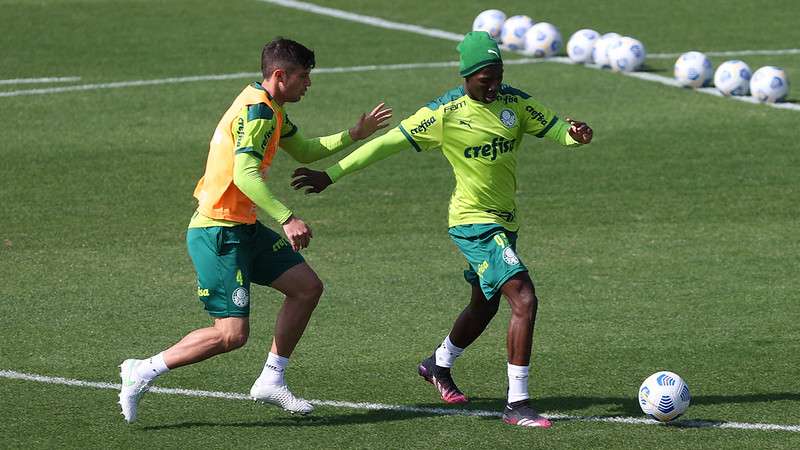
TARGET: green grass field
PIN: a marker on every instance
(671, 242)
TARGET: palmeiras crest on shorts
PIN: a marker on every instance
(240, 297)
(508, 118)
(510, 257)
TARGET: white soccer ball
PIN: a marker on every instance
(626, 55)
(542, 40)
(733, 78)
(512, 36)
(600, 49)
(769, 84)
(580, 45)
(490, 21)
(693, 69)
(664, 396)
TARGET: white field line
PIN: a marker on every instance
(240, 75)
(369, 20)
(776, 52)
(382, 23)
(40, 80)
(14, 375)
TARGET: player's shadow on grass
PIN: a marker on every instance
(615, 406)
(318, 419)
(625, 405)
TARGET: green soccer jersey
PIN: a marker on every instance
(481, 142)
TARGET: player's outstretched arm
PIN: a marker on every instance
(305, 150)
(579, 131)
(313, 181)
(368, 124)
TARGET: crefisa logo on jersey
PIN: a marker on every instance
(508, 118)
(240, 297)
(499, 145)
(424, 125)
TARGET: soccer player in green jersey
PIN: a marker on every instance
(230, 248)
(479, 128)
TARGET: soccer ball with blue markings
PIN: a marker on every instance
(626, 55)
(542, 40)
(664, 396)
(512, 37)
(693, 69)
(769, 84)
(490, 21)
(601, 46)
(732, 78)
(580, 45)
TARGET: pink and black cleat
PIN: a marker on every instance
(440, 377)
(521, 414)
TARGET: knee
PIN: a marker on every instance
(525, 305)
(231, 340)
(311, 292)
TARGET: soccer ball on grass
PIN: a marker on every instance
(512, 37)
(733, 78)
(664, 396)
(769, 84)
(490, 21)
(542, 40)
(693, 69)
(580, 45)
(626, 55)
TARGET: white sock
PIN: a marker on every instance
(152, 367)
(517, 383)
(274, 369)
(447, 353)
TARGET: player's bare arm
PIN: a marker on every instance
(371, 122)
(580, 131)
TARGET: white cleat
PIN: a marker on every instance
(279, 395)
(132, 389)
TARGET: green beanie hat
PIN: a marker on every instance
(477, 50)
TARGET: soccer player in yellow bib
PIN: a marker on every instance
(229, 246)
(478, 127)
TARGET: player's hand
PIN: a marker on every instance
(580, 131)
(297, 232)
(315, 180)
(372, 122)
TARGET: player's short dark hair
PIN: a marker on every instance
(282, 53)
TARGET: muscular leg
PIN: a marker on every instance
(474, 318)
(521, 296)
(302, 289)
(225, 335)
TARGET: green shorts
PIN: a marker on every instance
(491, 255)
(228, 259)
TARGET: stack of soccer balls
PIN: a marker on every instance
(519, 33)
(768, 84)
(610, 50)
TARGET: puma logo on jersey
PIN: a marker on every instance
(465, 123)
(493, 52)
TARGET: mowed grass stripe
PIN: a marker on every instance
(14, 375)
